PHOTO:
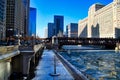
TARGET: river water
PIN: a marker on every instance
(94, 63)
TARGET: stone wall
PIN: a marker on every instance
(82, 27)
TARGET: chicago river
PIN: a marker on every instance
(94, 63)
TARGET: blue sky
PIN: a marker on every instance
(72, 10)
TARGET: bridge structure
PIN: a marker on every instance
(106, 42)
(18, 62)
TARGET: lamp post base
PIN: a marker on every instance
(54, 74)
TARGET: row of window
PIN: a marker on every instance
(2, 10)
(9, 2)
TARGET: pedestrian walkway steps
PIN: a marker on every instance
(46, 67)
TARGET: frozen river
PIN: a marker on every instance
(95, 64)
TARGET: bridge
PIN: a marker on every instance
(106, 42)
(18, 62)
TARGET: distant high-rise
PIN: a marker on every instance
(51, 30)
(46, 32)
(59, 25)
(67, 31)
(17, 15)
(72, 30)
(26, 16)
(32, 22)
(2, 18)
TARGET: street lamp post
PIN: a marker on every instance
(33, 39)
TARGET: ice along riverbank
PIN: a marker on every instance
(95, 64)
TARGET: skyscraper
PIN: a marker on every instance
(26, 16)
(46, 32)
(72, 30)
(51, 30)
(10, 18)
(32, 22)
(2, 18)
(16, 17)
(59, 25)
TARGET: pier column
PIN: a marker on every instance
(5, 69)
(21, 65)
(55, 43)
(16, 64)
(55, 40)
(25, 62)
(117, 46)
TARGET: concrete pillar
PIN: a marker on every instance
(21, 64)
(5, 70)
(26, 64)
(54, 40)
(16, 64)
(117, 46)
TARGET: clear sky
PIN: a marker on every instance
(72, 10)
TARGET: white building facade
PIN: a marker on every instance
(102, 21)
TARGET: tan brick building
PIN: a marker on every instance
(102, 21)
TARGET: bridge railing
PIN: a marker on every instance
(105, 42)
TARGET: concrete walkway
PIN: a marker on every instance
(46, 67)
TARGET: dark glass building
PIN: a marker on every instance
(10, 18)
(51, 30)
(72, 30)
(17, 17)
(2, 18)
(59, 25)
(26, 4)
(32, 22)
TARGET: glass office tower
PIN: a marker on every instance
(32, 22)
(72, 30)
(59, 25)
(51, 30)
(2, 18)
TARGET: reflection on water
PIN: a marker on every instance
(95, 64)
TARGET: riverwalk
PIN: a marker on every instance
(46, 68)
